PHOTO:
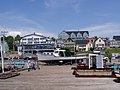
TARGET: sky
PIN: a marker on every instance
(50, 17)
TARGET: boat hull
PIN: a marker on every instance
(93, 73)
(42, 57)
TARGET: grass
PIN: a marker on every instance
(109, 51)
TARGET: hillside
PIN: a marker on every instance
(109, 51)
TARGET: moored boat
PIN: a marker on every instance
(58, 56)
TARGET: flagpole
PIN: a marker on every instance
(2, 49)
(2, 56)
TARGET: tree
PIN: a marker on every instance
(95, 37)
(17, 38)
(17, 41)
(10, 41)
(53, 38)
(68, 52)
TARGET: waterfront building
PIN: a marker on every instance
(33, 43)
(73, 34)
(100, 44)
(60, 42)
(69, 37)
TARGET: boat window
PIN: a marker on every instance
(56, 51)
(61, 54)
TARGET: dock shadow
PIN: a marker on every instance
(117, 80)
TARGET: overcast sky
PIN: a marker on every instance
(50, 17)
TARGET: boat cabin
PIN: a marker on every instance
(59, 52)
(96, 60)
(56, 53)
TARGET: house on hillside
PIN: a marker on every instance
(99, 44)
(65, 36)
(91, 42)
(73, 34)
(82, 45)
(115, 42)
(69, 43)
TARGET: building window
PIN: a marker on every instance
(29, 42)
(43, 42)
(24, 39)
(85, 35)
(30, 38)
(73, 35)
(36, 39)
(63, 35)
(36, 42)
(79, 35)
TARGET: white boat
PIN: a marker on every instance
(57, 55)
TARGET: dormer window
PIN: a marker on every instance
(73, 35)
(79, 35)
(85, 35)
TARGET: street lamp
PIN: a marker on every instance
(3, 33)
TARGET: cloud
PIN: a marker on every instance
(104, 30)
(16, 24)
(70, 4)
(25, 21)
(24, 31)
(13, 19)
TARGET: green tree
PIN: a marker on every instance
(109, 51)
(53, 38)
(108, 54)
(17, 38)
(10, 41)
(68, 52)
(17, 41)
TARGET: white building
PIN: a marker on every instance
(99, 44)
(34, 43)
(114, 43)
